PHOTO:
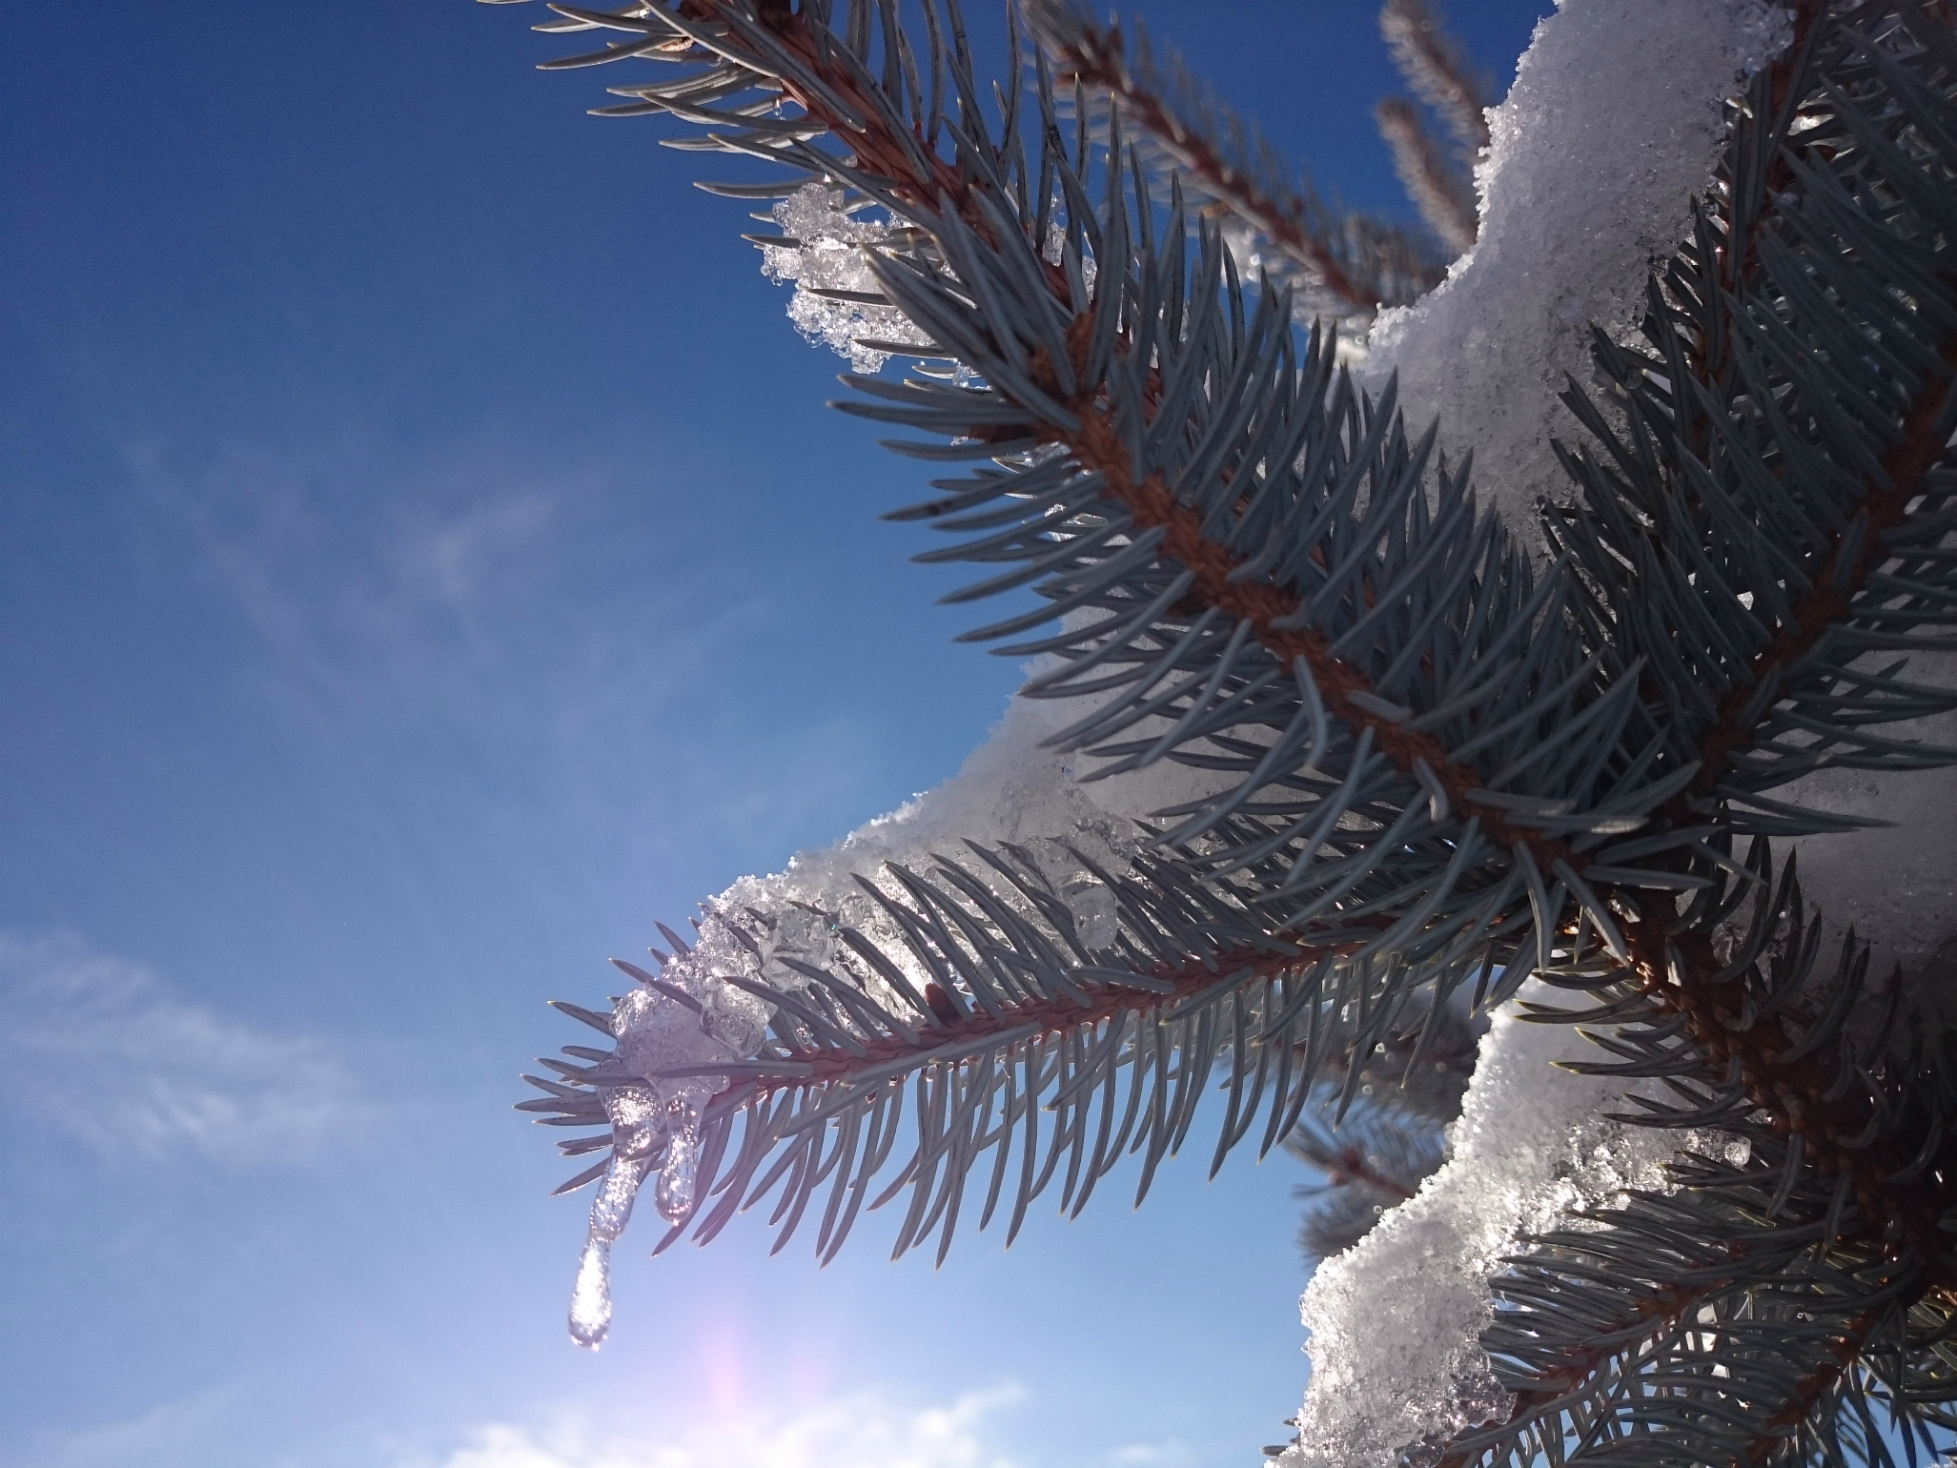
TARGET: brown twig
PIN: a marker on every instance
(1053, 1015)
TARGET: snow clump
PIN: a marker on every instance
(1396, 1320)
(828, 251)
(1613, 126)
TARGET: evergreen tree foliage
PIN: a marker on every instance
(1374, 1144)
(1434, 767)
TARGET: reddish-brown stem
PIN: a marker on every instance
(1793, 1094)
(1055, 1014)
(1841, 576)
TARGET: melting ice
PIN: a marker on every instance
(655, 1127)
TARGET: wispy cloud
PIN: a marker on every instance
(174, 1435)
(864, 1430)
(99, 1047)
(369, 578)
(463, 588)
(549, 628)
(1170, 1454)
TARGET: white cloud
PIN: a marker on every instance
(862, 1430)
(101, 1048)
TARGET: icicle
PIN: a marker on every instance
(591, 1296)
(611, 1210)
(674, 1195)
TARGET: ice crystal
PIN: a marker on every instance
(828, 253)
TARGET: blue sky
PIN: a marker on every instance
(425, 560)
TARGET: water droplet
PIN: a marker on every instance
(591, 1296)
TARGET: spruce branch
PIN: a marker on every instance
(1022, 1035)
(1257, 526)
(1766, 520)
(1412, 699)
(1892, 496)
(1437, 761)
(1776, 508)
(1151, 439)
(1439, 190)
(1744, 1306)
(1222, 581)
(1435, 67)
(1848, 1132)
(1341, 264)
(1633, 1339)
(1821, 504)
